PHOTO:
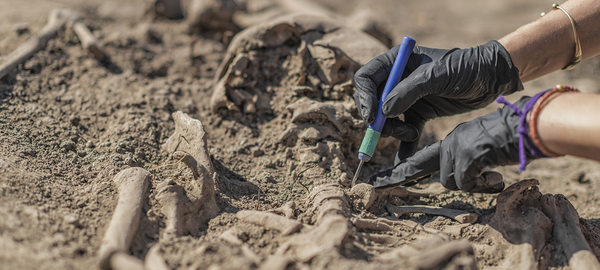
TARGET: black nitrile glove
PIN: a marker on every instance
(435, 83)
(464, 155)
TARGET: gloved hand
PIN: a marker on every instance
(435, 83)
(463, 156)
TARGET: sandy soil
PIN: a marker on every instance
(69, 124)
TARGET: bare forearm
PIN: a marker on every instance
(569, 125)
(547, 44)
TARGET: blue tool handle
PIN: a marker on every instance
(404, 52)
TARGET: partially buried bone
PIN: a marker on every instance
(331, 230)
(433, 252)
(88, 40)
(566, 231)
(271, 221)
(154, 261)
(320, 54)
(362, 18)
(131, 184)
(188, 206)
(458, 215)
(520, 219)
(56, 21)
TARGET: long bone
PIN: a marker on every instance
(131, 184)
(57, 19)
(458, 215)
(88, 40)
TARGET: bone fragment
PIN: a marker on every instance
(287, 209)
(380, 238)
(332, 228)
(276, 262)
(272, 221)
(56, 20)
(372, 224)
(131, 184)
(584, 259)
(154, 261)
(519, 218)
(460, 216)
(567, 232)
(437, 255)
(123, 261)
(188, 209)
(89, 41)
(231, 236)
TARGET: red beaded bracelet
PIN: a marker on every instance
(535, 113)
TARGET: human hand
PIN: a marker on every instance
(464, 155)
(435, 83)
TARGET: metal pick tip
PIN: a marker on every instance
(357, 172)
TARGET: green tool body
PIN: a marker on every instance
(369, 143)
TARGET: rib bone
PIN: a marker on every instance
(460, 216)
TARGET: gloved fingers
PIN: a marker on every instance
(423, 163)
(469, 168)
(408, 91)
(368, 79)
(408, 148)
(399, 130)
(447, 168)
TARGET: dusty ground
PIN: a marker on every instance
(69, 124)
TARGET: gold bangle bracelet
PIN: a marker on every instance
(578, 54)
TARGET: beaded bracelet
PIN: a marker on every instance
(535, 113)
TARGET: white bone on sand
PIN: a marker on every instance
(57, 19)
(131, 185)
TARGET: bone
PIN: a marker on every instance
(276, 262)
(286, 210)
(88, 40)
(231, 236)
(362, 18)
(460, 216)
(131, 185)
(435, 256)
(123, 261)
(372, 224)
(338, 53)
(57, 19)
(154, 261)
(381, 239)
(329, 206)
(566, 231)
(520, 219)
(188, 209)
(285, 225)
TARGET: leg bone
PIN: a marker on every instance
(131, 184)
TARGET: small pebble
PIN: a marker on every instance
(89, 144)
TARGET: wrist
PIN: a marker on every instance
(539, 105)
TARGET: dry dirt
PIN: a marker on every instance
(69, 124)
